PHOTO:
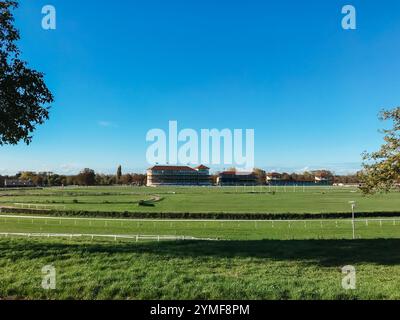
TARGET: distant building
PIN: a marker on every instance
(178, 176)
(323, 179)
(273, 177)
(15, 183)
(233, 178)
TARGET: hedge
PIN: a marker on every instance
(194, 215)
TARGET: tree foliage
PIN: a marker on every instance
(119, 174)
(24, 96)
(382, 168)
(261, 175)
(87, 177)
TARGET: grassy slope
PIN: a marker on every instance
(236, 200)
(267, 269)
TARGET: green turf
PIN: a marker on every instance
(204, 200)
(263, 269)
(251, 260)
(226, 230)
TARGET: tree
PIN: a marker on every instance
(126, 179)
(285, 176)
(86, 177)
(308, 176)
(27, 175)
(261, 176)
(105, 180)
(139, 179)
(322, 173)
(295, 177)
(24, 96)
(56, 180)
(71, 180)
(38, 180)
(119, 173)
(381, 169)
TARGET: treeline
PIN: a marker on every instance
(348, 179)
(308, 176)
(86, 177)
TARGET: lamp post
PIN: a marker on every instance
(353, 205)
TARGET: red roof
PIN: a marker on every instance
(202, 167)
(172, 168)
(237, 173)
(228, 172)
(322, 175)
(274, 174)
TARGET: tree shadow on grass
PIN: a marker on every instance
(321, 252)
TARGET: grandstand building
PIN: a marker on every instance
(178, 176)
(323, 178)
(320, 178)
(233, 178)
(15, 183)
(273, 177)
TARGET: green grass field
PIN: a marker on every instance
(222, 230)
(205, 200)
(252, 259)
(263, 269)
(245, 260)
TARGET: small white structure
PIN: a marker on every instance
(15, 183)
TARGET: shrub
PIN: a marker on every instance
(209, 216)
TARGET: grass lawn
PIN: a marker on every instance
(262, 269)
(204, 200)
(223, 230)
(251, 260)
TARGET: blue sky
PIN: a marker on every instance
(310, 89)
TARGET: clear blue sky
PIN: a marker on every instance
(310, 89)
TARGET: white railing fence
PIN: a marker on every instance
(39, 206)
(114, 237)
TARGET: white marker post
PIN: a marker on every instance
(353, 205)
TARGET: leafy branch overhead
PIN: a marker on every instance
(24, 96)
(382, 168)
